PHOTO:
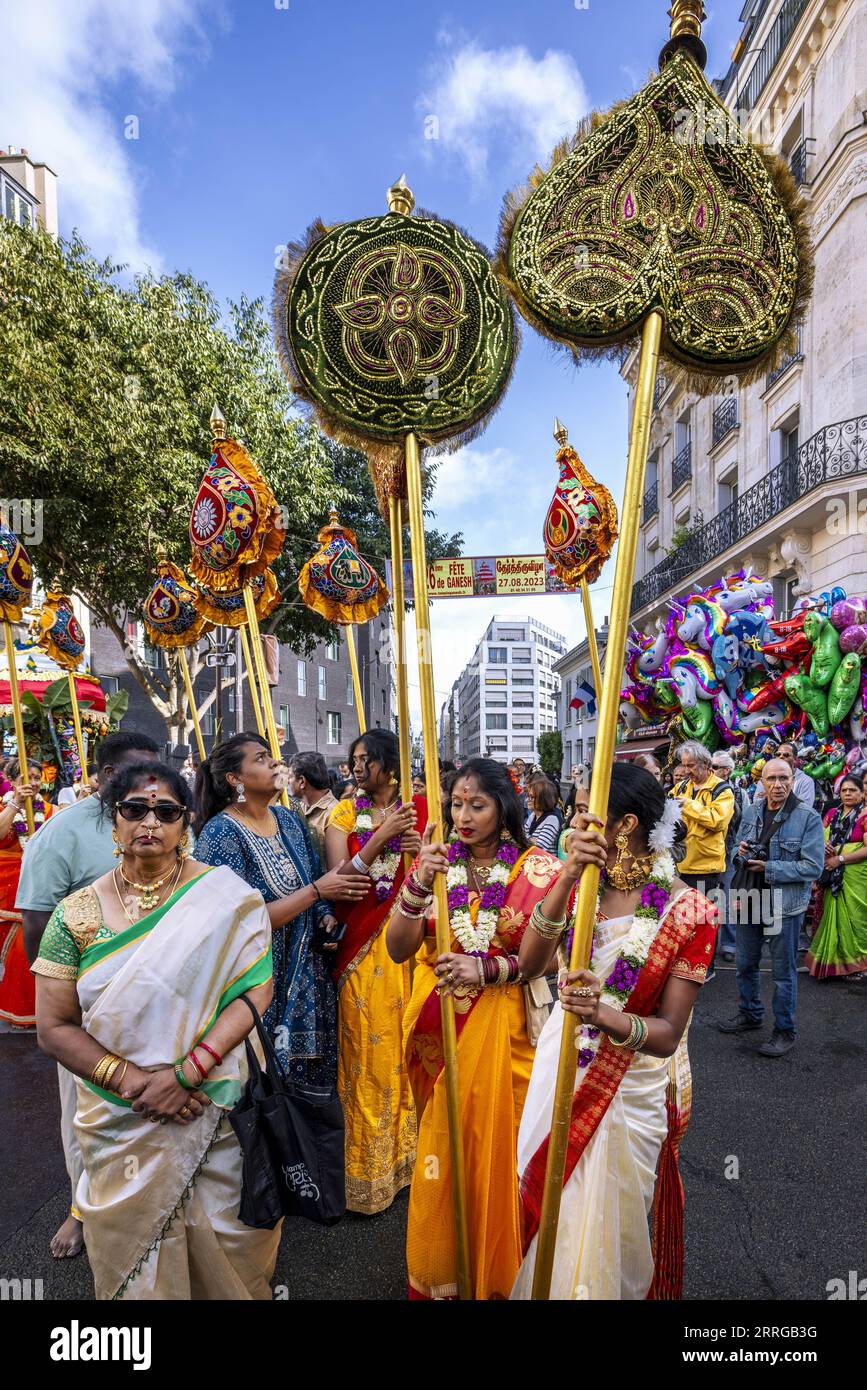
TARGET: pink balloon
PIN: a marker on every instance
(848, 612)
(854, 639)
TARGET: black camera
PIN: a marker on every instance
(756, 851)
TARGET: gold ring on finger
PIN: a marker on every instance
(184, 1110)
(584, 992)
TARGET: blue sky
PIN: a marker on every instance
(252, 117)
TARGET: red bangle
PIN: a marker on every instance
(211, 1053)
(197, 1064)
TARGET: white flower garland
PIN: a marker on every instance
(383, 870)
(476, 938)
(633, 953)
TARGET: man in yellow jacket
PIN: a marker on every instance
(707, 805)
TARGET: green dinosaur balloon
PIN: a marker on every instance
(697, 723)
(813, 701)
(826, 649)
(844, 687)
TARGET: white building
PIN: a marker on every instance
(507, 694)
(577, 728)
(774, 475)
(28, 191)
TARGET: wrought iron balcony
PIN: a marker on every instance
(651, 502)
(785, 364)
(725, 417)
(832, 454)
(798, 162)
(769, 55)
(681, 468)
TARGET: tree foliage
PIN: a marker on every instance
(106, 388)
(550, 748)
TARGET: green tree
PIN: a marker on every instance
(105, 392)
(550, 748)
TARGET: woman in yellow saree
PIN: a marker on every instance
(138, 984)
(498, 886)
(369, 835)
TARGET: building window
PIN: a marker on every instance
(350, 691)
(284, 717)
(322, 685)
(333, 727)
(591, 749)
(496, 721)
(302, 678)
(579, 750)
(498, 656)
(332, 651)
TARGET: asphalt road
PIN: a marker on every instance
(792, 1130)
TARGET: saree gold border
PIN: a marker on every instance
(370, 1198)
(585, 909)
(441, 906)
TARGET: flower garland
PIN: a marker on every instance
(636, 948)
(475, 938)
(19, 823)
(384, 868)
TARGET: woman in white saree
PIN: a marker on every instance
(652, 944)
(138, 985)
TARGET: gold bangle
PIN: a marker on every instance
(106, 1063)
(549, 921)
(503, 968)
(117, 1084)
(629, 1040)
(549, 931)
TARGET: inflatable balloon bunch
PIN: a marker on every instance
(724, 668)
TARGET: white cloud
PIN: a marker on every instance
(479, 95)
(61, 64)
(467, 475)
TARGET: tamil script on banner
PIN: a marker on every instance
(486, 576)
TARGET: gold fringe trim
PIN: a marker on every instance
(702, 380)
(265, 604)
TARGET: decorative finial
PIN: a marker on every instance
(686, 17)
(218, 424)
(401, 197)
(561, 434)
(162, 553)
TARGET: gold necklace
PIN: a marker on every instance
(149, 894)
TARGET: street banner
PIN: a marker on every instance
(485, 576)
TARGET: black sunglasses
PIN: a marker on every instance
(167, 812)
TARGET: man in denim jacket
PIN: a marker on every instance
(789, 840)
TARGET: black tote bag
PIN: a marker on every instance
(292, 1141)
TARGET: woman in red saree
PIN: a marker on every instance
(652, 945)
(17, 986)
(370, 835)
(498, 884)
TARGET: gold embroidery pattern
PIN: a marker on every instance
(645, 214)
(54, 969)
(374, 309)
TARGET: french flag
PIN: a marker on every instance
(584, 695)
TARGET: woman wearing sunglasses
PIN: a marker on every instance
(138, 978)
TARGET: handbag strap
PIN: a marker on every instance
(272, 1062)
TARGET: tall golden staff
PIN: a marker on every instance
(16, 587)
(236, 533)
(251, 681)
(396, 331)
(395, 527)
(173, 622)
(638, 224)
(342, 587)
(579, 533)
(62, 636)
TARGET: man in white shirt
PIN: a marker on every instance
(308, 781)
(804, 786)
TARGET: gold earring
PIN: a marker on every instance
(117, 849)
(617, 875)
(184, 845)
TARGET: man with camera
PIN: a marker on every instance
(781, 854)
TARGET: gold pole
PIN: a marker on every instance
(585, 909)
(398, 598)
(443, 936)
(267, 705)
(191, 701)
(591, 637)
(251, 681)
(18, 722)
(76, 724)
(356, 679)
